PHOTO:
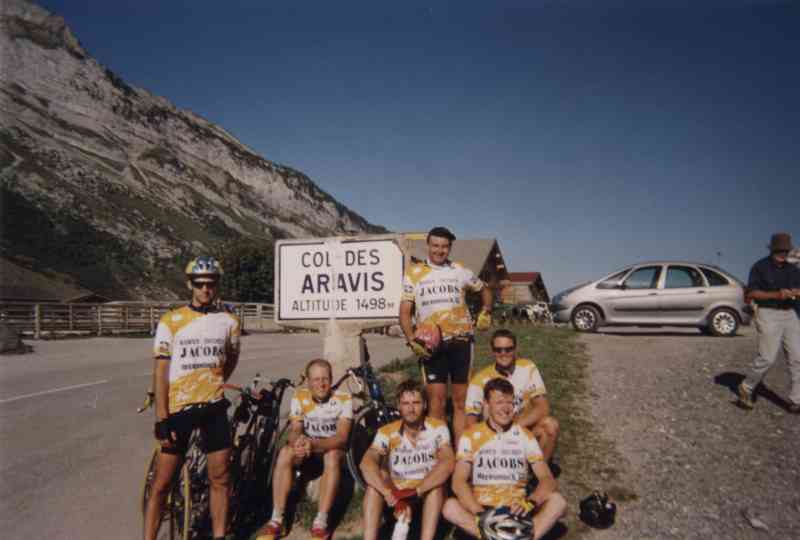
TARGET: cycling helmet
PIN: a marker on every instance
(500, 524)
(204, 266)
(597, 511)
(428, 335)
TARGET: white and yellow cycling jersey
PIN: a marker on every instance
(501, 462)
(410, 462)
(197, 345)
(320, 418)
(439, 294)
(526, 380)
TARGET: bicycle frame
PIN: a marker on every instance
(255, 449)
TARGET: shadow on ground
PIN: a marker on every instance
(731, 380)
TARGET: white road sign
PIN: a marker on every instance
(348, 279)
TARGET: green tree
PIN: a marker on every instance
(249, 270)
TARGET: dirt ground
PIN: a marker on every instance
(699, 466)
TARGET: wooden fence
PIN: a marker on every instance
(114, 318)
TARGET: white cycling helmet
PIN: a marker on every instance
(500, 524)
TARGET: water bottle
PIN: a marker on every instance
(401, 528)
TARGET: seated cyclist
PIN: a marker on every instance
(531, 407)
(320, 421)
(493, 464)
(196, 350)
(408, 465)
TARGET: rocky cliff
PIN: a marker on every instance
(116, 186)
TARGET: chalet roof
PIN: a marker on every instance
(523, 277)
(472, 253)
(20, 284)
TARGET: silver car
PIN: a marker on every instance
(661, 293)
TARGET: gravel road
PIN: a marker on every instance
(700, 466)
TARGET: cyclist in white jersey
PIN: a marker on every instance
(531, 406)
(434, 291)
(408, 465)
(494, 462)
(196, 350)
(320, 421)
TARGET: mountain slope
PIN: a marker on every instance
(116, 186)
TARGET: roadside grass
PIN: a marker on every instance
(587, 460)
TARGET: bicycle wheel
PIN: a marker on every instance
(244, 493)
(195, 489)
(272, 451)
(172, 517)
(366, 423)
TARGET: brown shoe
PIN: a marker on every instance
(793, 408)
(745, 396)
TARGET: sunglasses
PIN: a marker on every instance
(204, 284)
(503, 349)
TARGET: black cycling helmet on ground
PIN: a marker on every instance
(597, 511)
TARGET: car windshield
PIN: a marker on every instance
(612, 280)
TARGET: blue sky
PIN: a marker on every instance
(582, 138)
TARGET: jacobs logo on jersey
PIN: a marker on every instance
(202, 351)
(502, 462)
(437, 290)
(412, 458)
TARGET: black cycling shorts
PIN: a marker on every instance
(452, 362)
(212, 419)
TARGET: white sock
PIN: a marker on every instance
(277, 515)
(321, 520)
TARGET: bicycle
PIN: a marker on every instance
(186, 509)
(368, 418)
(255, 426)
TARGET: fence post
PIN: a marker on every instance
(71, 323)
(99, 309)
(37, 321)
(152, 330)
(241, 316)
(125, 317)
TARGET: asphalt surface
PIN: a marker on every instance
(73, 448)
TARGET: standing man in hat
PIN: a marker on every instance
(774, 285)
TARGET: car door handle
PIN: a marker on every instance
(701, 292)
(653, 294)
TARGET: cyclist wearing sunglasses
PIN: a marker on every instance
(531, 407)
(196, 350)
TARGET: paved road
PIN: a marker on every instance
(73, 449)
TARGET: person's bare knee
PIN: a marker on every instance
(437, 399)
(333, 458)
(451, 509)
(459, 397)
(550, 427)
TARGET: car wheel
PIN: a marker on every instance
(585, 319)
(723, 323)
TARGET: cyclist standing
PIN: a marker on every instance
(410, 461)
(494, 461)
(320, 420)
(531, 407)
(196, 350)
(437, 289)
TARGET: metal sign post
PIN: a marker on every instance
(341, 286)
